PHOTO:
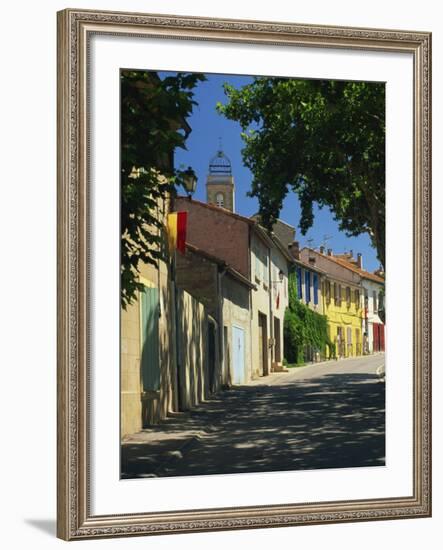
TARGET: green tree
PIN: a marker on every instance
(153, 124)
(323, 139)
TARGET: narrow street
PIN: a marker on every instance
(329, 415)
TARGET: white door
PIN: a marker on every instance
(238, 355)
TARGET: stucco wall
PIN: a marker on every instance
(345, 316)
(370, 287)
(278, 290)
(260, 304)
(236, 299)
(198, 276)
(140, 408)
(323, 262)
(192, 343)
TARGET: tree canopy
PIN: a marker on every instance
(323, 139)
(153, 124)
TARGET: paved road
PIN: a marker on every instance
(330, 415)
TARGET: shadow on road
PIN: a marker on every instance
(334, 421)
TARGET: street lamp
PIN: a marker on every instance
(189, 181)
(280, 277)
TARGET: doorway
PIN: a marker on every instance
(277, 338)
(211, 355)
(238, 355)
(263, 344)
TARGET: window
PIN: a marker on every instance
(257, 264)
(308, 286)
(315, 284)
(328, 292)
(299, 283)
(337, 294)
(357, 298)
(219, 200)
(374, 297)
(265, 270)
(348, 296)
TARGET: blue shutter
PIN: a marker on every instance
(308, 286)
(315, 276)
(150, 339)
(299, 283)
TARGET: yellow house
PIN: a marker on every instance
(342, 307)
(341, 293)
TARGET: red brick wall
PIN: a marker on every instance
(220, 234)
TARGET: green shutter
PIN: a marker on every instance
(150, 339)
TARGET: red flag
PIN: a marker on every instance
(182, 218)
(177, 222)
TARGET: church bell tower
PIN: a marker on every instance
(220, 182)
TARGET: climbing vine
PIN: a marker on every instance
(305, 330)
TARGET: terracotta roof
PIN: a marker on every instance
(305, 265)
(364, 274)
(352, 267)
(210, 257)
(221, 210)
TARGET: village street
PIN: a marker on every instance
(328, 415)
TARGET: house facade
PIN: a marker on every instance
(270, 267)
(372, 297)
(373, 326)
(226, 296)
(310, 280)
(247, 249)
(341, 302)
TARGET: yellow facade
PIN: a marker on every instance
(343, 309)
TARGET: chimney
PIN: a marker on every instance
(294, 249)
(360, 260)
(330, 252)
(351, 254)
(322, 249)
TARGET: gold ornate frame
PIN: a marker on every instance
(74, 517)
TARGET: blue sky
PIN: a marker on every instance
(208, 126)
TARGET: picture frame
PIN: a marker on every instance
(75, 517)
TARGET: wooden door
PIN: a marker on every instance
(211, 355)
(263, 344)
(150, 364)
(277, 338)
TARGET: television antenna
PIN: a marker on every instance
(326, 238)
